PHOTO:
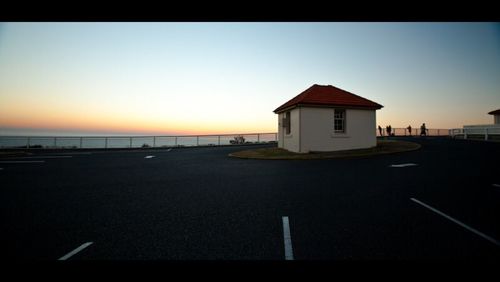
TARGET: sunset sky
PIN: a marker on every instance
(204, 78)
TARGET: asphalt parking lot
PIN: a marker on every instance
(439, 203)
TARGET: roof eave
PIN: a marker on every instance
(355, 107)
(279, 111)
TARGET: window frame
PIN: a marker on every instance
(287, 125)
(341, 119)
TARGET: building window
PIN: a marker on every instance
(339, 121)
(286, 122)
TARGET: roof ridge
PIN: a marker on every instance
(329, 95)
(353, 94)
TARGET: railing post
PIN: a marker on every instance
(218, 140)
(81, 142)
(55, 142)
(175, 141)
(486, 133)
(105, 142)
(465, 133)
(276, 137)
(28, 145)
(130, 142)
(197, 140)
(258, 138)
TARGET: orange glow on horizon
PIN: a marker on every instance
(23, 118)
(111, 123)
(46, 112)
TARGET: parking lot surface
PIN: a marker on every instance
(439, 203)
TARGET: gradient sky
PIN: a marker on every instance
(204, 78)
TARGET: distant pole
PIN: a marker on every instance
(28, 145)
(154, 141)
(105, 142)
(55, 142)
(218, 140)
(258, 138)
(486, 134)
(197, 140)
(130, 142)
(176, 141)
(81, 142)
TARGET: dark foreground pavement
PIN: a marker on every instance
(200, 204)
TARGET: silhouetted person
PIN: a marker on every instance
(380, 130)
(389, 129)
(423, 130)
(409, 129)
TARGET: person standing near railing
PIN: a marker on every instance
(380, 130)
(409, 129)
(423, 130)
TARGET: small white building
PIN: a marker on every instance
(496, 116)
(326, 118)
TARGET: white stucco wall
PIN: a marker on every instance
(317, 132)
(289, 141)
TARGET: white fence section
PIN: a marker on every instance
(483, 132)
(104, 142)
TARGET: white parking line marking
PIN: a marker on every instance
(169, 150)
(44, 157)
(20, 162)
(75, 153)
(149, 157)
(288, 239)
(75, 251)
(484, 236)
(403, 165)
(496, 185)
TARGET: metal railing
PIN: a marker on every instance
(105, 142)
(414, 132)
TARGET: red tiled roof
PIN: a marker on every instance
(497, 112)
(327, 95)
